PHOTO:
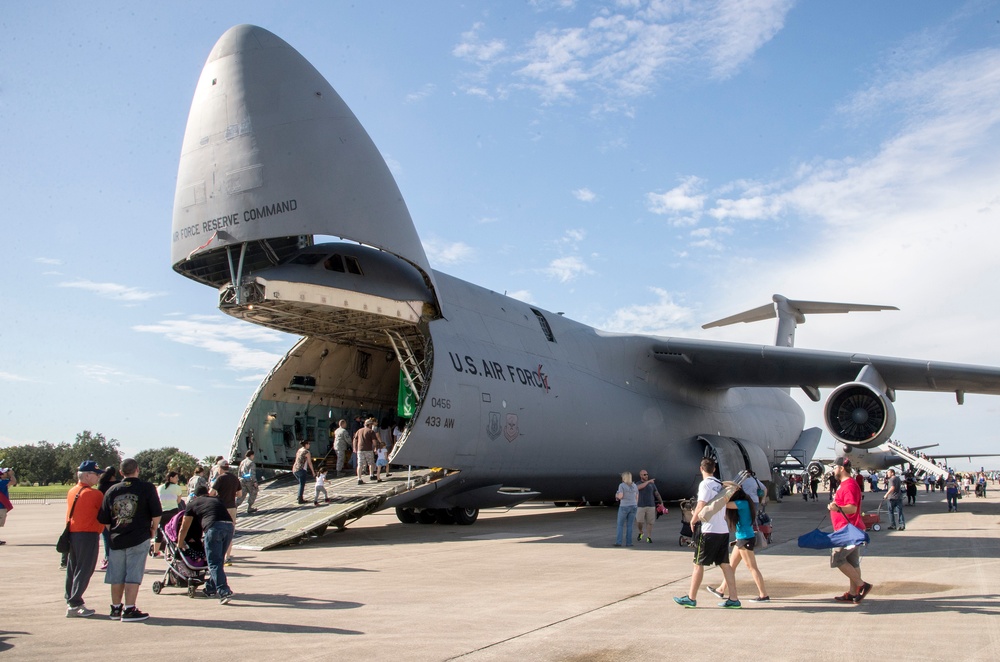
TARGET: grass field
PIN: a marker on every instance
(31, 490)
(35, 494)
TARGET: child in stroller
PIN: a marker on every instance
(687, 512)
(185, 568)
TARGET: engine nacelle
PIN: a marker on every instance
(860, 415)
(815, 469)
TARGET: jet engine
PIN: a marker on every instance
(815, 469)
(860, 413)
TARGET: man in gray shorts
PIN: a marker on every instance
(131, 509)
(846, 509)
(649, 496)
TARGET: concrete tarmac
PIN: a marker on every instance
(535, 583)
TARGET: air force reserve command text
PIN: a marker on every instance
(234, 219)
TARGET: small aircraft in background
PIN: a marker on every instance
(879, 459)
(513, 401)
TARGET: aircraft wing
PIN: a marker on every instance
(714, 364)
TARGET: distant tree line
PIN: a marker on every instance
(45, 463)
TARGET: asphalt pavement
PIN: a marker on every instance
(537, 582)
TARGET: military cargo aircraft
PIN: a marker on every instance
(513, 401)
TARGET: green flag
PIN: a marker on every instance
(406, 403)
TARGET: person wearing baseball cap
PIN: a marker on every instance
(846, 509)
(82, 505)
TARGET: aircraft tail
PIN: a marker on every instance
(790, 313)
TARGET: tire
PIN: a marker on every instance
(876, 527)
(465, 516)
(406, 515)
(427, 516)
(445, 516)
(157, 587)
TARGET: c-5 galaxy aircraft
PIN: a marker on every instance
(515, 402)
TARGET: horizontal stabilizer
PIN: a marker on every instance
(791, 312)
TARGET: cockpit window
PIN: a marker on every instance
(307, 258)
(334, 263)
(353, 266)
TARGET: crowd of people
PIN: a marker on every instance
(724, 508)
(131, 515)
(116, 505)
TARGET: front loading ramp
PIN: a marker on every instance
(280, 520)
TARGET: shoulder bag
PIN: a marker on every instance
(62, 545)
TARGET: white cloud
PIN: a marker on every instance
(473, 48)
(522, 295)
(663, 317)
(231, 338)
(683, 203)
(48, 260)
(11, 377)
(425, 91)
(565, 269)
(446, 253)
(106, 375)
(584, 195)
(625, 51)
(912, 224)
(113, 290)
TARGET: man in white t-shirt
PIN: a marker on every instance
(712, 542)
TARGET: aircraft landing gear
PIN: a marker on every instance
(465, 516)
(461, 516)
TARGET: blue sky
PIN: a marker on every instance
(641, 166)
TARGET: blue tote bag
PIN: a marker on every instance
(845, 537)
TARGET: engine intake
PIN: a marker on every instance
(815, 469)
(860, 415)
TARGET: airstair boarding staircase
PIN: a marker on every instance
(918, 462)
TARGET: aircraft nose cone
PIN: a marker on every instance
(243, 38)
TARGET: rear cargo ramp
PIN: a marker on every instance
(280, 520)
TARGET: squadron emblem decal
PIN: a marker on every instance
(510, 429)
(493, 429)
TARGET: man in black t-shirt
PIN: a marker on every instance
(228, 488)
(131, 509)
(209, 514)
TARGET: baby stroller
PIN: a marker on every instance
(765, 525)
(185, 568)
(687, 512)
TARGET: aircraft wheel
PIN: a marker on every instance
(445, 516)
(157, 587)
(427, 516)
(560, 504)
(465, 516)
(406, 515)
